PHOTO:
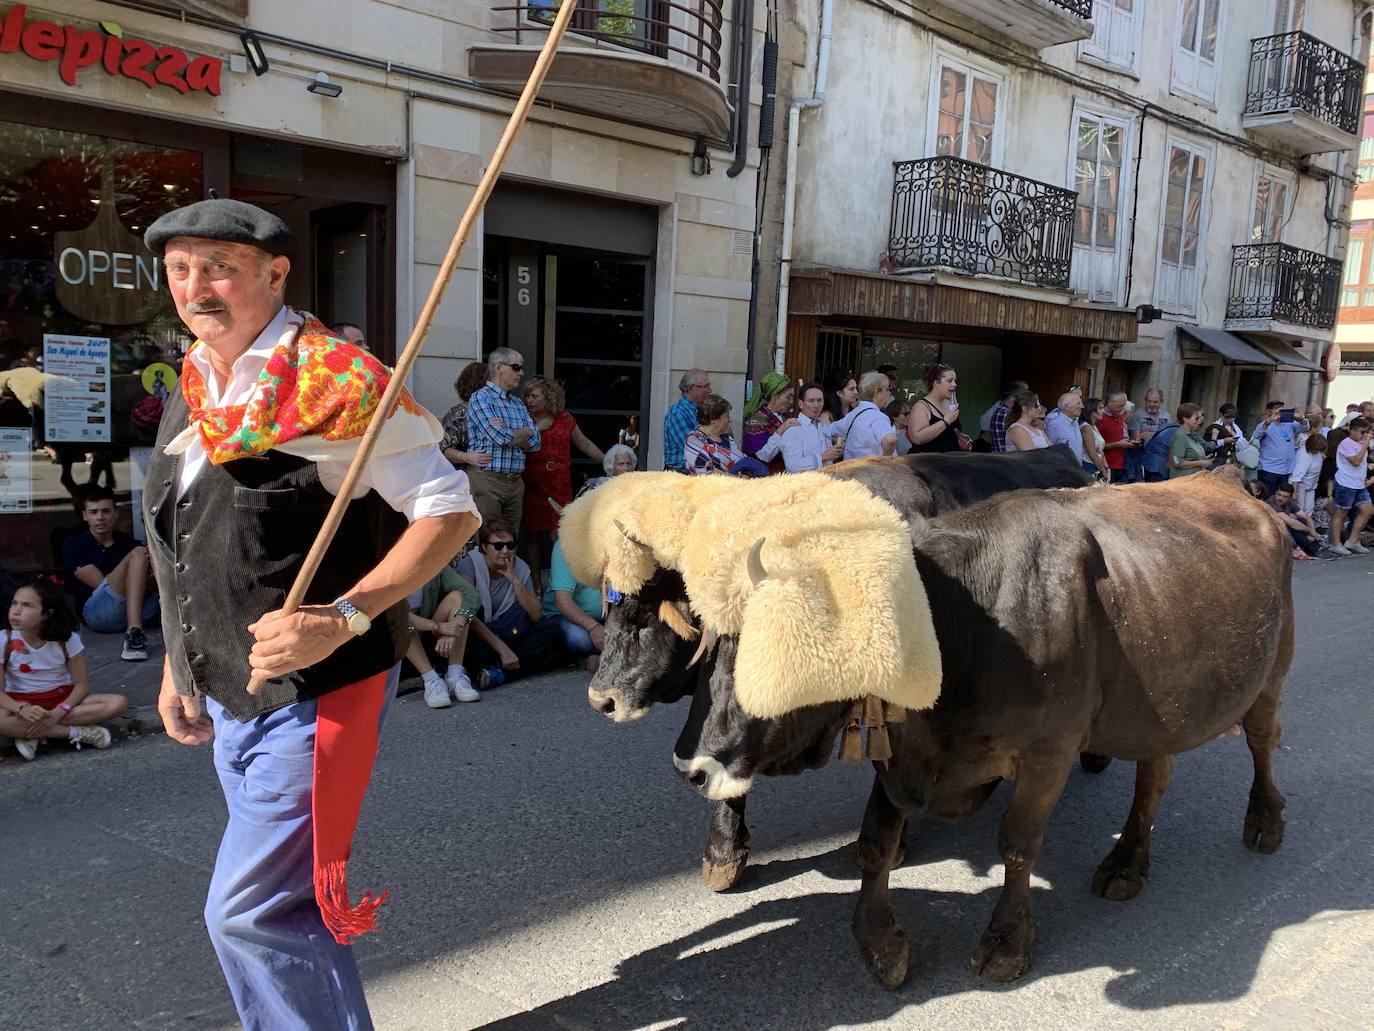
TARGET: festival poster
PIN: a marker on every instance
(76, 405)
(16, 478)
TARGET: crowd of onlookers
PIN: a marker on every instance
(493, 616)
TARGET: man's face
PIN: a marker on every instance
(812, 403)
(499, 552)
(99, 516)
(1367, 409)
(1074, 408)
(884, 394)
(696, 392)
(226, 293)
(1152, 402)
(1283, 496)
(1115, 405)
(507, 374)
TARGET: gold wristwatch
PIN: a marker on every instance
(357, 621)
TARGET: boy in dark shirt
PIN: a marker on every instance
(1302, 531)
(109, 575)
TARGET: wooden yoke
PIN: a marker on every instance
(422, 326)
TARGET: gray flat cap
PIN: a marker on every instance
(221, 218)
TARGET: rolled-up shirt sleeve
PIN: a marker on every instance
(418, 483)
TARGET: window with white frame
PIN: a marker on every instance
(1097, 159)
(1270, 210)
(967, 112)
(1186, 174)
(1354, 272)
(1289, 16)
(1195, 59)
(1116, 34)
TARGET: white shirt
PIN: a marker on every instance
(863, 430)
(47, 669)
(803, 443)
(418, 482)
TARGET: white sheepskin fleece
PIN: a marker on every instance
(842, 613)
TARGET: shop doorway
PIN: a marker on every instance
(1252, 386)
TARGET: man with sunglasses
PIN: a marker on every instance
(500, 425)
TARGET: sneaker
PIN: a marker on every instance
(135, 645)
(27, 747)
(1357, 548)
(460, 685)
(1339, 549)
(436, 693)
(492, 676)
(96, 737)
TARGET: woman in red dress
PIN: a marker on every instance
(548, 471)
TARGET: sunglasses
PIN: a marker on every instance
(517, 366)
(501, 545)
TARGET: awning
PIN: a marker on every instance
(1288, 357)
(1228, 345)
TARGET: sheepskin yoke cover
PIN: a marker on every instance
(840, 612)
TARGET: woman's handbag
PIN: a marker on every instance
(1248, 455)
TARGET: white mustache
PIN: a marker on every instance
(203, 307)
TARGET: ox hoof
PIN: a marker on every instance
(1263, 831)
(1000, 959)
(723, 876)
(1118, 883)
(1094, 763)
(889, 960)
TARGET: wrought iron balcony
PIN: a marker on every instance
(948, 213)
(1303, 93)
(649, 62)
(1274, 286)
(1041, 23)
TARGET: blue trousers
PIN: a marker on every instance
(285, 970)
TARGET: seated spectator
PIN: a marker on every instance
(510, 639)
(1095, 460)
(1302, 531)
(811, 443)
(47, 694)
(899, 411)
(711, 449)
(767, 416)
(1351, 493)
(1186, 453)
(1308, 470)
(577, 608)
(866, 430)
(1022, 431)
(620, 459)
(110, 576)
(440, 613)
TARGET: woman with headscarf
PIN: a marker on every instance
(767, 416)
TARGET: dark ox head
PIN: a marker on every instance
(722, 748)
(651, 641)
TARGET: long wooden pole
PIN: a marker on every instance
(422, 326)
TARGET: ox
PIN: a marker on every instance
(649, 658)
(1031, 597)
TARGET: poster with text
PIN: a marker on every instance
(16, 478)
(76, 405)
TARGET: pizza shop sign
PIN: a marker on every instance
(76, 49)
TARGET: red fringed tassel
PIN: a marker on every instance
(344, 920)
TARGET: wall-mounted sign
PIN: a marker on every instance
(76, 405)
(16, 479)
(1332, 366)
(74, 49)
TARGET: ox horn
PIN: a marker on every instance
(707, 640)
(757, 572)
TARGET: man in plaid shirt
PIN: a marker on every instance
(995, 418)
(500, 424)
(682, 417)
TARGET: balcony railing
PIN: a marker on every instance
(951, 213)
(688, 34)
(1279, 283)
(1082, 8)
(1295, 71)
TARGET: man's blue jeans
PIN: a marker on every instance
(578, 641)
(284, 969)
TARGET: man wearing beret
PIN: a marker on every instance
(249, 456)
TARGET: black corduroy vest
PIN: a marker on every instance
(228, 551)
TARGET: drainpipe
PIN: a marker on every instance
(745, 28)
(789, 207)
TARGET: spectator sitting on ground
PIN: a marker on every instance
(1351, 493)
(810, 444)
(1308, 470)
(1061, 425)
(577, 608)
(1023, 433)
(711, 449)
(899, 411)
(866, 430)
(681, 419)
(510, 639)
(455, 420)
(47, 694)
(440, 613)
(1186, 453)
(110, 576)
(619, 460)
(1302, 531)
